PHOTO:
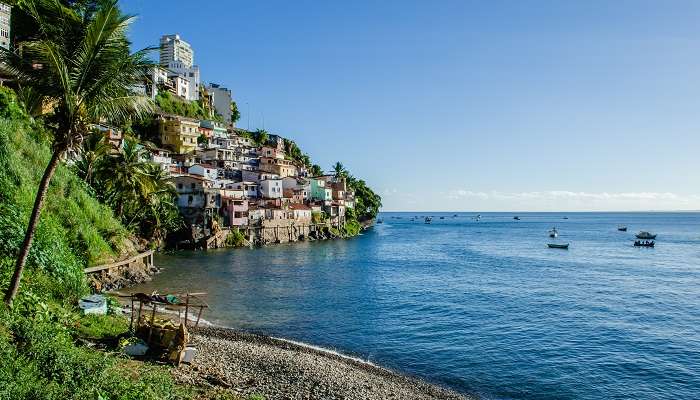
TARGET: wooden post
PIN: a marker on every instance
(153, 318)
(187, 307)
(138, 318)
(199, 315)
(131, 320)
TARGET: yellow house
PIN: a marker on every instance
(179, 134)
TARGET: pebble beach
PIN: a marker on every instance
(250, 364)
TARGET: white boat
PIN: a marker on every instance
(553, 233)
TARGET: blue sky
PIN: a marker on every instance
(465, 105)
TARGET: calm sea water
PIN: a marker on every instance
(483, 307)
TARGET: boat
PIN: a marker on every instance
(516, 218)
(442, 217)
(646, 243)
(645, 235)
(558, 246)
(622, 228)
(553, 233)
(428, 220)
(380, 221)
(565, 218)
(454, 216)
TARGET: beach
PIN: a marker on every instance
(250, 364)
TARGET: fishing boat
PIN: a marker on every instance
(645, 235)
(428, 220)
(553, 233)
(622, 228)
(645, 243)
(558, 246)
(516, 218)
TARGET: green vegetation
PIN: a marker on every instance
(141, 194)
(367, 203)
(260, 137)
(75, 230)
(235, 238)
(235, 114)
(87, 74)
(170, 104)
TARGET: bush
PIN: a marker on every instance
(235, 238)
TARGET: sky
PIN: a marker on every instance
(465, 105)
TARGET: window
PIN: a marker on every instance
(179, 185)
(192, 186)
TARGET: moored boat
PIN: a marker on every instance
(558, 246)
(428, 220)
(553, 233)
(622, 228)
(645, 235)
(516, 218)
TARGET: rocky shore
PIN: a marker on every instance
(250, 364)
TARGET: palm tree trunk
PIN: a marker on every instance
(33, 220)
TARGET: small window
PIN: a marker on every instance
(179, 185)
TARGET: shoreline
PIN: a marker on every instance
(253, 363)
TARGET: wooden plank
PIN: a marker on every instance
(118, 263)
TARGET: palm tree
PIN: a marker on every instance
(92, 152)
(79, 62)
(339, 169)
(128, 181)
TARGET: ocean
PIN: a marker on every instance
(480, 306)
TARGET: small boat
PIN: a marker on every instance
(554, 233)
(428, 220)
(645, 235)
(442, 217)
(646, 243)
(380, 221)
(565, 218)
(622, 228)
(454, 216)
(557, 246)
(516, 218)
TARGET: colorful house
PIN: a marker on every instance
(179, 134)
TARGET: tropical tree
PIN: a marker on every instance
(261, 137)
(339, 170)
(235, 114)
(78, 61)
(316, 170)
(92, 151)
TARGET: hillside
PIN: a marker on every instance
(75, 230)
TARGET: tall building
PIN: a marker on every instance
(5, 13)
(220, 98)
(172, 48)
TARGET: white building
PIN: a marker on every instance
(220, 98)
(181, 86)
(191, 74)
(5, 14)
(172, 48)
(250, 189)
(205, 170)
(271, 188)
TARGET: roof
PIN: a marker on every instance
(299, 207)
(197, 177)
(204, 165)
